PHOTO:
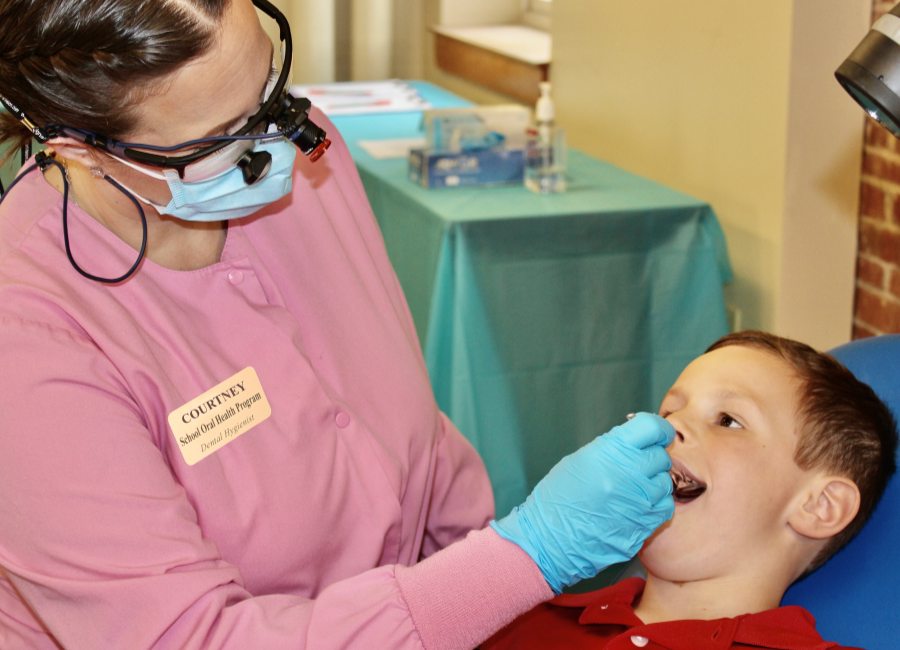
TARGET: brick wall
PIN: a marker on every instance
(878, 268)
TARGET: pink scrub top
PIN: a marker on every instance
(311, 529)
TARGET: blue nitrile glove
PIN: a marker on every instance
(597, 506)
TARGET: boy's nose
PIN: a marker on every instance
(679, 428)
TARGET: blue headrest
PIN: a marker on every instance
(855, 597)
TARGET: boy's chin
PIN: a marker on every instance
(657, 534)
(664, 557)
(652, 553)
(658, 565)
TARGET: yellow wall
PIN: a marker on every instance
(692, 94)
(697, 95)
(435, 12)
(820, 225)
(312, 31)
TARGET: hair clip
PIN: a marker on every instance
(40, 134)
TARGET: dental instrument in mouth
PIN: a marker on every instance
(684, 488)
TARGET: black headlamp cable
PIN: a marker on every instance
(43, 162)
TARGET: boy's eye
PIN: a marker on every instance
(727, 421)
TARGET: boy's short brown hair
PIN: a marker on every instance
(845, 427)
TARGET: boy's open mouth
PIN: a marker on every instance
(687, 488)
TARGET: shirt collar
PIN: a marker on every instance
(785, 628)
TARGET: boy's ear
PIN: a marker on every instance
(830, 504)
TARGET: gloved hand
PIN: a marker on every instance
(597, 506)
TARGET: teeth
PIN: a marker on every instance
(685, 488)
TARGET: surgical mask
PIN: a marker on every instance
(226, 196)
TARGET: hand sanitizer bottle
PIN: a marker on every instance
(545, 159)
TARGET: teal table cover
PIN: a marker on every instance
(545, 320)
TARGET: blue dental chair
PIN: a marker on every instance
(855, 597)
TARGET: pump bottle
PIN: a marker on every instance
(545, 162)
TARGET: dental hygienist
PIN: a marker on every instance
(216, 426)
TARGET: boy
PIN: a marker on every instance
(781, 456)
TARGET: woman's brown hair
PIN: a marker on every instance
(86, 63)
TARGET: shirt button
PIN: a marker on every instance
(342, 419)
(640, 641)
(235, 277)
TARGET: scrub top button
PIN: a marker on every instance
(342, 419)
(640, 641)
(235, 277)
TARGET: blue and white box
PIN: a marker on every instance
(498, 166)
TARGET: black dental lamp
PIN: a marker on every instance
(871, 74)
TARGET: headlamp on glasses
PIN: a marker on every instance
(280, 116)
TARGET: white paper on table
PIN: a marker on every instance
(363, 97)
(387, 149)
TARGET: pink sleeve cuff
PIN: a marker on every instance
(463, 594)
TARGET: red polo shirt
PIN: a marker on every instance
(605, 619)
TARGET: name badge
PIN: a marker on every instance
(206, 424)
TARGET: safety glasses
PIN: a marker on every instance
(220, 153)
